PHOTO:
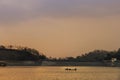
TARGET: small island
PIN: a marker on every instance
(24, 56)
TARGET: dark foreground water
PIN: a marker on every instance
(59, 73)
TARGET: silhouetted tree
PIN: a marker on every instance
(42, 57)
(117, 55)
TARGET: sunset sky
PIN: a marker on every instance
(61, 28)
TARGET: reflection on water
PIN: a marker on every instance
(59, 73)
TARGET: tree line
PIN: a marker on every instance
(13, 53)
(93, 56)
(18, 53)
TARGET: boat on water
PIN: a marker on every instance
(71, 69)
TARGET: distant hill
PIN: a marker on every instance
(24, 54)
(11, 53)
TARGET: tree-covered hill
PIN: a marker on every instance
(20, 54)
(93, 56)
(11, 53)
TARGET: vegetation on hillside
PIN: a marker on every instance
(94, 56)
(12, 53)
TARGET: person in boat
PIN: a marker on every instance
(69, 69)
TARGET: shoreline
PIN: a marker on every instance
(55, 63)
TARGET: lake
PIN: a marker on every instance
(59, 73)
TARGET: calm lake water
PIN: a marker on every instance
(59, 73)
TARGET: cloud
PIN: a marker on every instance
(12, 11)
(81, 8)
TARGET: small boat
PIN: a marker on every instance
(71, 69)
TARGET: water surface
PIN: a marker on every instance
(59, 73)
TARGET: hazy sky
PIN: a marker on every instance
(61, 28)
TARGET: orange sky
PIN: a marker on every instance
(61, 28)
